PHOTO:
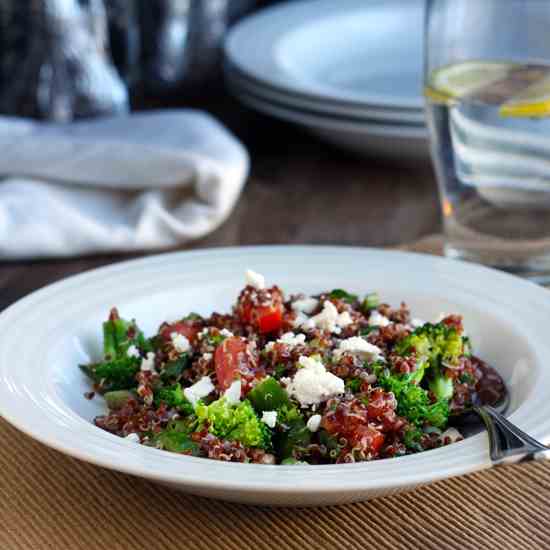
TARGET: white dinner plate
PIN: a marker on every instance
(361, 52)
(44, 336)
(366, 138)
(322, 107)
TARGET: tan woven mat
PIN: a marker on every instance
(50, 501)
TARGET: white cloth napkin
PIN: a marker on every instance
(136, 182)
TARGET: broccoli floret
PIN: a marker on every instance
(434, 345)
(235, 423)
(294, 434)
(173, 370)
(119, 335)
(174, 399)
(176, 438)
(435, 342)
(118, 374)
(413, 401)
(117, 371)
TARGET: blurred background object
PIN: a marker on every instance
(55, 62)
(67, 59)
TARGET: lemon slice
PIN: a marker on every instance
(465, 79)
(532, 102)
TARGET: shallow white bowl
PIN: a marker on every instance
(46, 335)
(350, 52)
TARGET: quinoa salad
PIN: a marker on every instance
(331, 378)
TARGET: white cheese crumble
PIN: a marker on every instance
(148, 362)
(200, 389)
(180, 342)
(300, 320)
(132, 437)
(415, 323)
(204, 332)
(376, 319)
(207, 356)
(255, 279)
(359, 346)
(329, 319)
(312, 384)
(305, 305)
(314, 422)
(269, 418)
(288, 338)
(132, 351)
(226, 333)
(233, 393)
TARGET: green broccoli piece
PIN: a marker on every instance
(119, 335)
(176, 438)
(434, 345)
(173, 370)
(174, 399)
(413, 401)
(295, 433)
(412, 438)
(118, 374)
(234, 423)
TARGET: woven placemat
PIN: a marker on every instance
(51, 501)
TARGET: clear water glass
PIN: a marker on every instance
(487, 89)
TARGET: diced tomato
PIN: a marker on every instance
(264, 313)
(367, 438)
(180, 327)
(229, 358)
(269, 319)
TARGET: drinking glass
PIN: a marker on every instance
(487, 89)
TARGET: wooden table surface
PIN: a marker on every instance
(300, 191)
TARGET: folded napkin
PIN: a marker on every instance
(134, 182)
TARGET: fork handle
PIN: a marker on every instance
(507, 443)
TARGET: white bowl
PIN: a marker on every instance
(350, 52)
(47, 334)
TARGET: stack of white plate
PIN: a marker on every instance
(350, 71)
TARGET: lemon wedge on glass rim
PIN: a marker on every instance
(520, 90)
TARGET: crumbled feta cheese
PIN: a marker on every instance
(180, 342)
(132, 351)
(312, 383)
(204, 332)
(305, 305)
(300, 320)
(288, 338)
(226, 333)
(255, 279)
(233, 393)
(314, 422)
(207, 356)
(148, 362)
(329, 319)
(269, 418)
(359, 346)
(415, 323)
(132, 437)
(376, 319)
(198, 390)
